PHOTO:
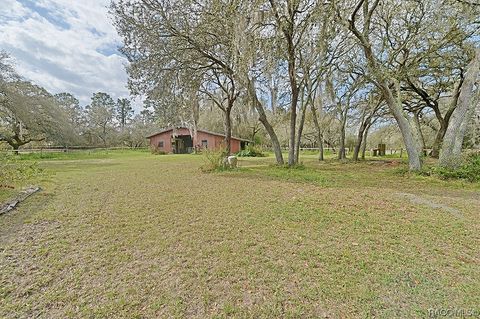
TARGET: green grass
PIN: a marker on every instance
(134, 235)
(79, 154)
(6, 193)
(72, 158)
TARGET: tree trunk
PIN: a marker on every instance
(438, 140)
(255, 130)
(418, 130)
(15, 148)
(411, 145)
(341, 150)
(457, 149)
(195, 119)
(291, 141)
(293, 106)
(13, 142)
(228, 130)
(450, 155)
(414, 156)
(273, 95)
(364, 142)
(358, 143)
(321, 152)
(341, 147)
(104, 141)
(300, 131)
(104, 135)
(262, 117)
(444, 121)
(394, 104)
(319, 132)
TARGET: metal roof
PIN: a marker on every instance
(198, 130)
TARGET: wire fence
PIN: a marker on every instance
(61, 149)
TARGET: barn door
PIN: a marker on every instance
(179, 146)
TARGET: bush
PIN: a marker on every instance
(13, 171)
(213, 159)
(155, 150)
(250, 151)
(469, 170)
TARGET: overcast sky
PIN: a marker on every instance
(64, 45)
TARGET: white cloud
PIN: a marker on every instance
(64, 45)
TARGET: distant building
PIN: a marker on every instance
(179, 140)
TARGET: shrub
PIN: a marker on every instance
(251, 151)
(155, 150)
(13, 171)
(468, 170)
(213, 159)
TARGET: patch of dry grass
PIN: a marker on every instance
(151, 236)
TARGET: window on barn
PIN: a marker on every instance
(160, 144)
(204, 143)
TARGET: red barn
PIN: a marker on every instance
(180, 141)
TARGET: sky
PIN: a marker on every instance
(64, 46)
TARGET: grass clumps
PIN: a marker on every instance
(13, 171)
(213, 159)
(157, 151)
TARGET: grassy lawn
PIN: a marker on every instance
(133, 235)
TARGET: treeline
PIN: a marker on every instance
(30, 114)
(353, 64)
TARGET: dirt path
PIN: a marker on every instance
(418, 200)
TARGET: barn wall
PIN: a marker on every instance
(235, 146)
(182, 131)
(213, 141)
(167, 142)
(216, 141)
